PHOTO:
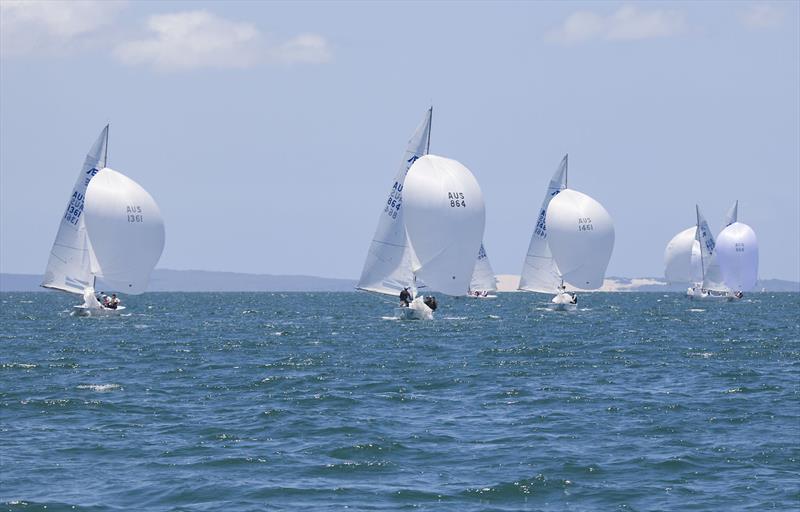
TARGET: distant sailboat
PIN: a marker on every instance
(112, 229)
(711, 285)
(571, 243)
(729, 264)
(682, 257)
(484, 283)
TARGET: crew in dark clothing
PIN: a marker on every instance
(405, 298)
(430, 301)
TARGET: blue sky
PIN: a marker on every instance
(269, 132)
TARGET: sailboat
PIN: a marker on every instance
(571, 243)
(112, 229)
(729, 265)
(483, 284)
(392, 264)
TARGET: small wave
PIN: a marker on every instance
(25, 366)
(390, 318)
(494, 317)
(249, 312)
(455, 318)
(697, 310)
(100, 388)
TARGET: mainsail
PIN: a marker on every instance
(388, 267)
(126, 231)
(69, 266)
(444, 218)
(540, 272)
(712, 275)
(682, 257)
(581, 238)
(732, 215)
(483, 279)
(737, 254)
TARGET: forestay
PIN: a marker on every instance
(387, 268)
(445, 217)
(682, 257)
(69, 265)
(737, 254)
(712, 276)
(540, 272)
(581, 237)
(126, 230)
(483, 278)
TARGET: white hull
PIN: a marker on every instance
(417, 310)
(83, 310)
(471, 296)
(563, 302)
(713, 295)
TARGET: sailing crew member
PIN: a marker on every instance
(114, 302)
(405, 298)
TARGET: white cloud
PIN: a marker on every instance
(200, 39)
(628, 23)
(39, 27)
(761, 16)
(309, 48)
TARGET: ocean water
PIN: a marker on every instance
(321, 401)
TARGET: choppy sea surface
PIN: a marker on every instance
(322, 401)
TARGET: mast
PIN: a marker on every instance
(566, 170)
(105, 156)
(697, 237)
(430, 125)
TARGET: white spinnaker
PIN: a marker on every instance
(540, 272)
(445, 217)
(580, 234)
(682, 257)
(387, 268)
(737, 254)
(126, 230)
(69, 265)
(483, 279)
(712, 275)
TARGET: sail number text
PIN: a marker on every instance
(134, 213)
(585, 224)
(456, 200)
(394, 201)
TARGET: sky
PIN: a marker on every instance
(269, 133)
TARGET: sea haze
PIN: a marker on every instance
(316, 401)
(165, 280)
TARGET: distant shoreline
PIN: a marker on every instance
(166, 280)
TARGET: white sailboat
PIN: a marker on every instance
(571, 243)
(484, 283)
(112, 229)
(732, 260)
(711, 285)
(391, 262)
